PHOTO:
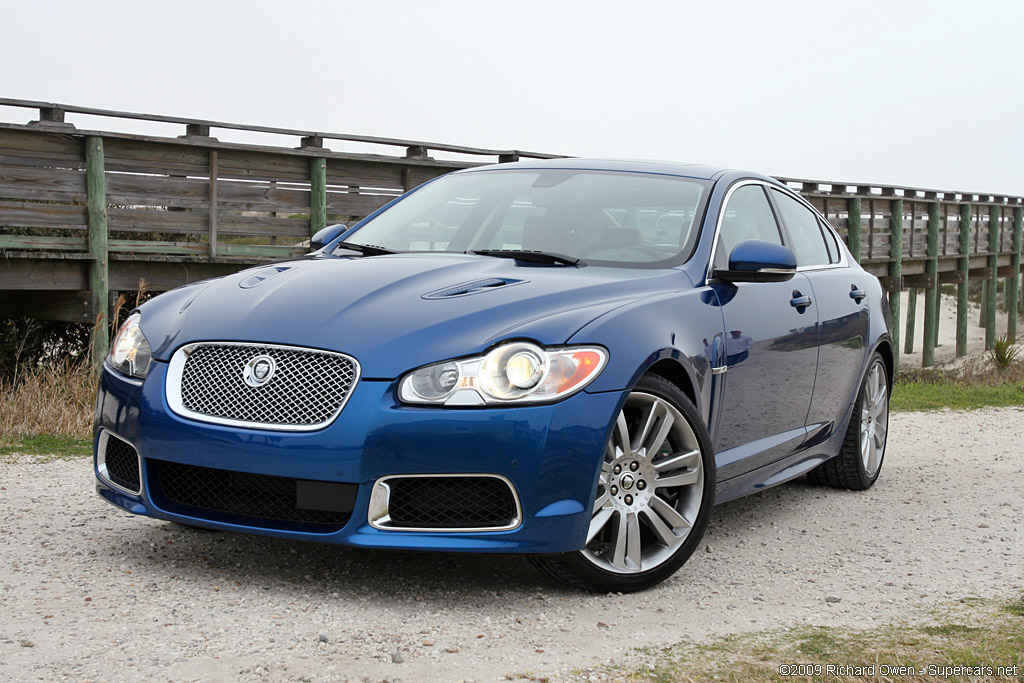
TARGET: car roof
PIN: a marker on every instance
(701, 171)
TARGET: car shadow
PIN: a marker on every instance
(172, 551)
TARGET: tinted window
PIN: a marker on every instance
(830, 243)
(748, 216)
(605, 218)
(802, 223)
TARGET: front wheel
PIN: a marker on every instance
(654, 495)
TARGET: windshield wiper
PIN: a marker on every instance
(364, 249)
(529, 256)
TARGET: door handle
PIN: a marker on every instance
(799, 301)
(857, 294)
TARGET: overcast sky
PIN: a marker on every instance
(925, 94)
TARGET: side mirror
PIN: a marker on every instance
(324, 237)
(758, 261)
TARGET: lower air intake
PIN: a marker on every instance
(119, 463)
(258, 500)
(456, 502)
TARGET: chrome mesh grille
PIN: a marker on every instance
(308, 387)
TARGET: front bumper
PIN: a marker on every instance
(550, 455)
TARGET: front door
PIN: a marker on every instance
(771, 348)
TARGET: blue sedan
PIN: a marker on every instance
(569, 359)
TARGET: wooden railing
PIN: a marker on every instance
(85, 212)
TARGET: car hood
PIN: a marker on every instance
(396, 312)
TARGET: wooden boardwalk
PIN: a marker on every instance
(85, 214)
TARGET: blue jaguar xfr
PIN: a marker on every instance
(569, 359)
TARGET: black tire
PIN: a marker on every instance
(851, 469)
(575, 569)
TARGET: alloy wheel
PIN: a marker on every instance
(650, 488)
(874, 419)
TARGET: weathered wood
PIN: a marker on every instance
(962, 303)
(853, 227)
(96, 187)
(27, 182)
(1013, 282)
(993, 284)
(908, 342)
(317, 195)
(47, 242)
(65, 306)
(36, 215)
(212, 210)
(158, 247)
(896, 274)
(397, 142)
(931, 295)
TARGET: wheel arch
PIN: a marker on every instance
(673, 371)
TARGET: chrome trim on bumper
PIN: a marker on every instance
(101, 462)
(380, 496)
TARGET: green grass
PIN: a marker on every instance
(977, 633)
(935, 395)
(46, 445)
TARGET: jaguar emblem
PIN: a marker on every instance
(259, 370)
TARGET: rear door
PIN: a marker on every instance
(838, 291)
(771, 346)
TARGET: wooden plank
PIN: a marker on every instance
(239, 164)
(157, 247)
(156, 220)
(66, 306)
(274, 251)
(47, 242)
(963, 265)
(263, 196)
(34, 215)
(157, 190)
(45, 274)
(36, 144)
(25, 182)
(154, 157)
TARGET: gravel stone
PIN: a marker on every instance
(289, 611)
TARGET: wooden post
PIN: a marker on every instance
(983, 305)
(896, 273)
(213, 203)
(1013, 284)
(317, 195)
(99, 278)
(993, 282)
(931, 295)
(908, 343)
(853, 227)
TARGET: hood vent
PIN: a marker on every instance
(474, 287)
(262, 275)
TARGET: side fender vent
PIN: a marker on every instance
(474, 287)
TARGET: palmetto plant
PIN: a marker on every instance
(1004, 353)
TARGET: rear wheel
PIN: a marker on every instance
(654, 495)
(860, 460)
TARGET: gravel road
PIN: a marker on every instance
(92, 593)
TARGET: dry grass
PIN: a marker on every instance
(50, 401)
(983, 634)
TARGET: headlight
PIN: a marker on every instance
(130, 353)
(519, 372)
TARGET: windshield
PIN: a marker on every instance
(600, 217)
